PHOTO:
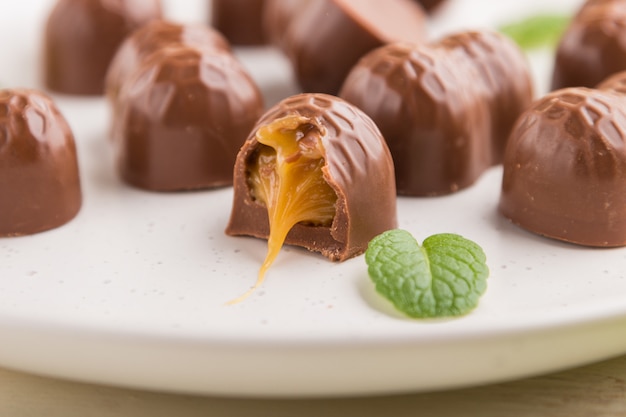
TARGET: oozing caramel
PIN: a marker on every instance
(286, 176)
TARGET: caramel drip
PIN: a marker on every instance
(287, 178)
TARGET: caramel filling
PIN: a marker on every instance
(286, 176)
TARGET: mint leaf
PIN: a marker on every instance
(444, 277)
(537, 31)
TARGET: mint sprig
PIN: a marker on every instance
(537, 31)
(443, 277)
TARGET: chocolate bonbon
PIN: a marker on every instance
(39, 175)
(330, 160)
(327, 37)
(241, 21)
(565, 166)
(81, 37)
(152, 37)
(445, 109)
(182, 117)
(592, 47)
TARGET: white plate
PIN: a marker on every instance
(133, 291)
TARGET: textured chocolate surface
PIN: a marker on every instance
(39, 177)
(358, 166)
(592, 48)
(82, 36)
(182, 117)
(445, 109)
(152, 37)
(327, 37)
(565, 167)
(241, 21)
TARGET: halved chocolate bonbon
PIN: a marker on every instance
(565, 166)
(39, 175)
(445, 109)
(350, 195)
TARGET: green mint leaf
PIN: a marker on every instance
(442, 278)
(537, 31)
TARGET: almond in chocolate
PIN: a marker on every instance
(445, 109)
(81, 37)
(565, 166)
(39, 177)
(315, 172)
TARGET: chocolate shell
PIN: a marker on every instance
(39, 176)
(327, 37)
(152, 37)
(565, 167)
(82, 36)
(357, 166)
(183, 115)
(592, 47)
(241, 21)
(445, 109)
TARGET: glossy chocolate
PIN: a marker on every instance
(358, 167)
(327, 37)
(445, 109)
(182, 117)
(81, 37)
(152, 37)
(565, 166)
(592, 47)
(241, 21)
(39, 177)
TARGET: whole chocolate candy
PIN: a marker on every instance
(183, 115)
(565, 166)
(152, 37)
(327, 37)
(316, 172)
(241, 21)
(39, 177)
(81, 37)
(592, 47)
(445, 109)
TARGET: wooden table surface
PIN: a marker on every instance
(597, 390)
